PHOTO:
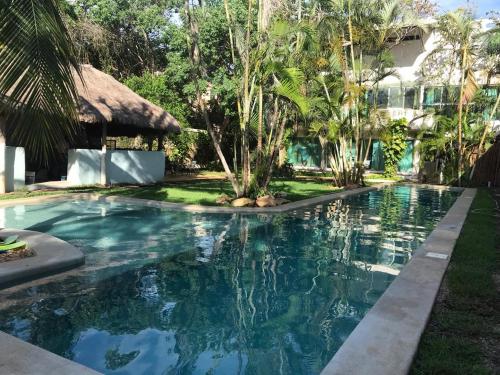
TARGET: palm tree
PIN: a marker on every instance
(461, 34)
(37, 90)
(350, 31)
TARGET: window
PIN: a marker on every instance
(382, 98)
(432, 97)
(395, 97)
(369, 97)
(492, 92)
(411, 101)
(451, 95)
(405, 38)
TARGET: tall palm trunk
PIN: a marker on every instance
(460, 108)
(260, 126)
(247, 98)
(194, 54)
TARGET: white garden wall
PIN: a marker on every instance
(122, 167)
(12, 165)
(84, 167)
(135, 167)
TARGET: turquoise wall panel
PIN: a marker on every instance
(377, 162)
(305, 152)
(406, 164)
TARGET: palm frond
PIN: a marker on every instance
(37, 88)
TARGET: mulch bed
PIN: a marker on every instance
(15, 255)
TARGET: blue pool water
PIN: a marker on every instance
(167, 292)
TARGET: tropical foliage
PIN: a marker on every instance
(252, 73)
(394, 145)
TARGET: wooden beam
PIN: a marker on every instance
(104, 135)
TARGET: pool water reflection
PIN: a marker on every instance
(172, 292)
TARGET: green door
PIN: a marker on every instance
(406, 164)
(377, 163)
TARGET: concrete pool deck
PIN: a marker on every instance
(387, 338)
(52, 255)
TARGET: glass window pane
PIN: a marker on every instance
(410, 99)
(451, 95)
(432, 97)
(395, 97)
(382, 98)
(369, 97)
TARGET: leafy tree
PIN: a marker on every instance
(122, 37)
(345, 117)
(164, 90)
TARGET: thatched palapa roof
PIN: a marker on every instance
(104, 100)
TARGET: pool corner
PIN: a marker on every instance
(387, 338)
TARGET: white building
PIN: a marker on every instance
(420, 87)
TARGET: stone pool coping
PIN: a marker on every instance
(387, 338)
(20, 358)
(52, 255)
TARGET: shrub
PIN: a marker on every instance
(394, 145)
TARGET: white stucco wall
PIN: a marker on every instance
(122, 167)
(135, 167)
(84, 167)
(12, 165)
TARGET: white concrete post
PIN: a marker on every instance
(3, 177)
(3, 156)
(104, 180)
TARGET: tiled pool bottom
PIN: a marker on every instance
(173, 292)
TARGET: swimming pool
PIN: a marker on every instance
(176, 292)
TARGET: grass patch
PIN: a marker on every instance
(462, 335)
(379, 176)
(204, 192)
(27, 194)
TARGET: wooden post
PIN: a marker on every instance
(104, 180)
(160, 142)
(150, 143)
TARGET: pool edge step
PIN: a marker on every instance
(52, 255)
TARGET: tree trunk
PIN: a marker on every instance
(460, 105)
(194, 54)
(261, 123)
(274, 151)
(246, 105)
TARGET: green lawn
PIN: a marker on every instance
(463, 335)
(379, 176)
(192, 192)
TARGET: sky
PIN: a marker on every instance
(480, 6)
